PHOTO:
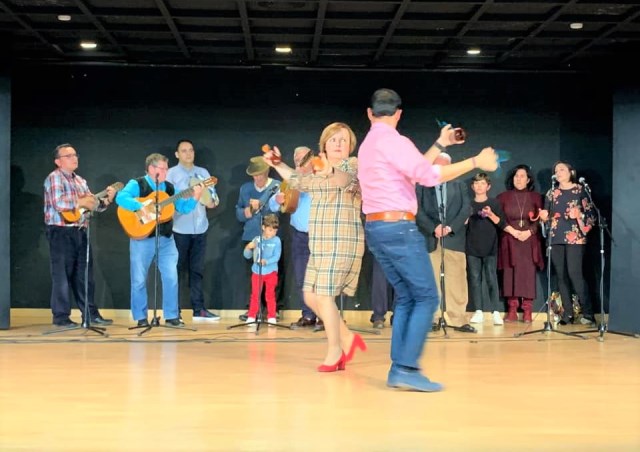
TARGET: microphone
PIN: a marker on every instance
(583, 182)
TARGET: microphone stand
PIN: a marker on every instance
(155, 319)
(86, 320)
(442, 324)
(548, 324)
(260, 316)
(602, 224)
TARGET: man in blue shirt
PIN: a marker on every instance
(142, 251)
(190, 230)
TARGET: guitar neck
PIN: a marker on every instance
(171, 199)
(117, 186)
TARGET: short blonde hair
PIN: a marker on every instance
(334, 128)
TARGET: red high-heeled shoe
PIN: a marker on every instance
(357, 342)
(340, 365)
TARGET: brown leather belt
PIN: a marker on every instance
(392, 215)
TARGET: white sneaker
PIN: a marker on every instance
(477, 317)
(272, 321)
(250, 320)
(497, 319)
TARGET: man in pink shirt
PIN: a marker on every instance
(390, 166)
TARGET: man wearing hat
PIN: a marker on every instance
(253, 204)
(190, 230)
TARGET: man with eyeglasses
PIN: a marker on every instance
(65, 191)
(142, 251)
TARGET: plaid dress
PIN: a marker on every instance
(336, 236)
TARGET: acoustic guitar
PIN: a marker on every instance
(139, 224)
(73, 216)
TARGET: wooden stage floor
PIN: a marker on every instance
(228, 390)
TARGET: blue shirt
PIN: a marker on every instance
(248, 190)
(267, 249)
(300, 218)
(194, 222)
(126, 198)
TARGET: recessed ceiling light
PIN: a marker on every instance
(64, 18)
(576, 25)
(88, 45)
(283, 49)
(473, 51)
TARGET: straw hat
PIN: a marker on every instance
(257, 165)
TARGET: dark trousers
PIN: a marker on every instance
(191, 250)
(567, 263)
(381, 292)
(67, 250)
(300, 257)
(483, 279)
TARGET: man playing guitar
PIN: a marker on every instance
(142, 250)
(65, 191)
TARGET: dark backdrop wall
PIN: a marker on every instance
(625, 258)
(5, 148)
(116, 116)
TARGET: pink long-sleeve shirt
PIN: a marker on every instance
(389, 167)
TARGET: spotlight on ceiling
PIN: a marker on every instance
(283, 49)
(64, 18)
(576, 25)
(88, 45)
(474, 51)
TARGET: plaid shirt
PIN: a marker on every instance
(61, 193)
(336, 236)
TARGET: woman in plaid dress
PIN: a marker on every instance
(336, 236)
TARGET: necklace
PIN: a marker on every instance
(521, 207)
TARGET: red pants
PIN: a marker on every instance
(270, 281)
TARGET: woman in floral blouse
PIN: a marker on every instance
(570, 216)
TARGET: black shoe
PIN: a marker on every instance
(101, 321)
(174, 322)
(143, 322)
(243, 317)
(435, 327)
(65, 322)
(466, 328)
(303, 322)
(378, 324)
(566, 321)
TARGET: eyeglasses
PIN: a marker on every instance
(68, 156)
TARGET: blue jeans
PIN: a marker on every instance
(402, 253)
(381, 293)
(191, 250)
(141, 253)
